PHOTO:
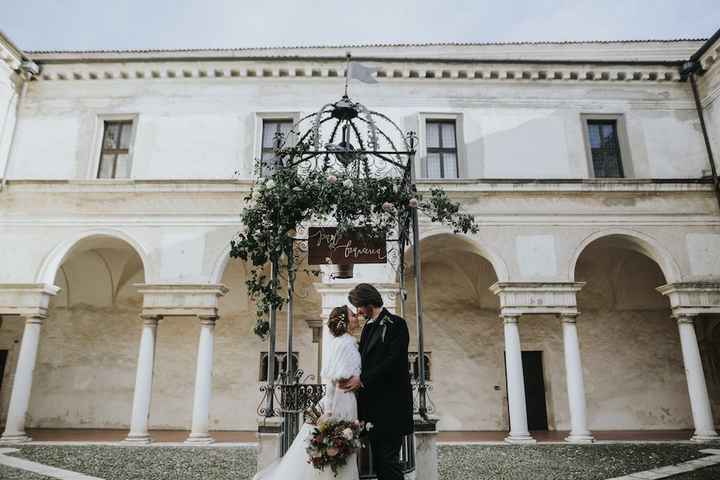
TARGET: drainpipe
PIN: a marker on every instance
(689, 70)
(28, 70)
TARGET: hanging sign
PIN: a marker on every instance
(325, 246)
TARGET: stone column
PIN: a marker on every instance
(697, 388)
(515, 383)
(203, 384)
(143, 383)
(579, 432)
(22, 385)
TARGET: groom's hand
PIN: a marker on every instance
(351, 384)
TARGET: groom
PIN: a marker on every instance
(384, 391)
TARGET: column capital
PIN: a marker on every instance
(684, 318)
(34, 318)
(150, 320)
(513, 319)
(208, 319)
(569, 317)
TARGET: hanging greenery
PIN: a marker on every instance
(281, 203)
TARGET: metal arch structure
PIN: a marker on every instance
(346, 137)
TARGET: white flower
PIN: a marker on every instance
(413, 202)
(348, 434)
(368, 426)
(332, 179)
(261, 180)
(270, 184)
(347, 183)
(388, 207)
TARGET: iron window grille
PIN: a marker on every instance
(270, 128)
(605, 148)
(281, 359)
(442, 151)
(115, 149)
(414, 366)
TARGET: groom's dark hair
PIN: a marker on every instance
(365, 295)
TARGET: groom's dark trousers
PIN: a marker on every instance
(386, 457)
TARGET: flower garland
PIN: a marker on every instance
(279, 204)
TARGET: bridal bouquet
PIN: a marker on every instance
(333, 441)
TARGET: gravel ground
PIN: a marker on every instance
(143, 463)
(476, 462)
(558, 462)
(709, 473)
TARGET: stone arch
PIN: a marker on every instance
(221, 264)
(464, 243)
(632, 240)
(51, 265)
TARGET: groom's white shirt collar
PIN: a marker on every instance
(380, 318)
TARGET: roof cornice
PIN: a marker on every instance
(388, 69)
(10, 54)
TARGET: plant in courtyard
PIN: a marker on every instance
(288, 199)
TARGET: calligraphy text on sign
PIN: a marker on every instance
(325, 243)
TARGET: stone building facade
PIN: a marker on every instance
(588, 301)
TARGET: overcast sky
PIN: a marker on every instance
(123, 24)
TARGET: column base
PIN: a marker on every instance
(520, 439)
(138, 439)
(705, 437)
(199, 439)
(588, 438)
(15, 438)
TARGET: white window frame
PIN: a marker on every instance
(625, 157)
(421, 161)
(260, 118)
(94, 163)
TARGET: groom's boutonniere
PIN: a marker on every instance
(384, 322)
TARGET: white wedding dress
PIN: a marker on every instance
(341, 360)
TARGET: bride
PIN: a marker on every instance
(342, 361)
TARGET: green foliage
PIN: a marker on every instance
(277, 205)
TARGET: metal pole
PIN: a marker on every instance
(401, 246)
(708, 147)
(422, 389)
(289, 370)
(270, 397)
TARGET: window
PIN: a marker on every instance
(280, 364)
(270, 128)
(115, 149)
(604, 147)
(442, 152)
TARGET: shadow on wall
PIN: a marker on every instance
(634, 375)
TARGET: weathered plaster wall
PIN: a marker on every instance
(85, 373)
(207, 128)
(632, 360)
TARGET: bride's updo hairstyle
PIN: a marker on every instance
(339, 322)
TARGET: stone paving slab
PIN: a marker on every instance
(39, 468)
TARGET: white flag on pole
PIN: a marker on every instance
(360, 72)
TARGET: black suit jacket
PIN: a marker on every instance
(386, 397)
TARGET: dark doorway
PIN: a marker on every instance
(3, 360)
(534, 390)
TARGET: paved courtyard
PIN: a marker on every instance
(546, 461)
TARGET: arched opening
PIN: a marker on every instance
(463, 334)
(85, 372)
(240, 355)
(634, 374)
